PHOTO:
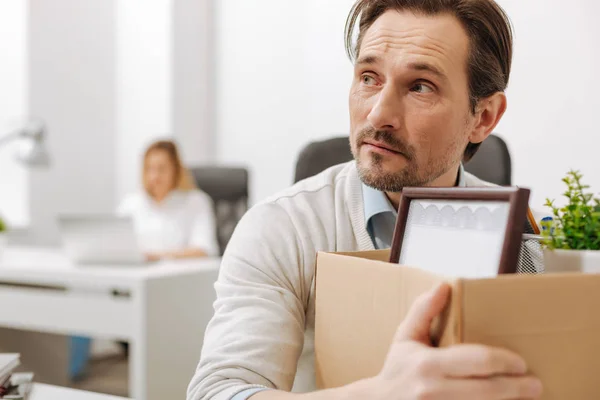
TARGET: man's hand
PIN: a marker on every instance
(415, 370)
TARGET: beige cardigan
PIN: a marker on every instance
(263, 328)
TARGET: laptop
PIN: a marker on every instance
(100, 239)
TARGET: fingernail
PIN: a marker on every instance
(438, 287)
(536, 388)
(521, 367)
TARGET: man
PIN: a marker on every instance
(428, 88)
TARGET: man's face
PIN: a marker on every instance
(410, 114)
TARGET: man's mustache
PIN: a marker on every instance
(386, 138)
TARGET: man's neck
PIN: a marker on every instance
(449, 179)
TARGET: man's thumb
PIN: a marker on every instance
(417, 324)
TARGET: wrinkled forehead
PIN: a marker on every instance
(406, 35)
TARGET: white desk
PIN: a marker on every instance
(162, 310)
(46, 392)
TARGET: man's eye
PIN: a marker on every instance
(421, 88)
(368, 80)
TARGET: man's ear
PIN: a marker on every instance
(489, 112)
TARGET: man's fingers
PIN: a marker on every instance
(498, 388)
(417, 324)
(471, 360)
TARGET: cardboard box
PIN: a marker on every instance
(552, 320)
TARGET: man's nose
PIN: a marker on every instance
(387, 110)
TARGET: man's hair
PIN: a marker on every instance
(488, 28)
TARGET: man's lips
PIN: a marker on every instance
(380, 147)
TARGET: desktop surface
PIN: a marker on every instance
(47, 392)
(51, 263)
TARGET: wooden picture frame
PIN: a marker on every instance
(517, 199)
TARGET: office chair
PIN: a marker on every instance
(492, 162)
(318, 156)
(228, 188)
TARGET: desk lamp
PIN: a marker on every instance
(33, 152)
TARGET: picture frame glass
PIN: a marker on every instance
(455, 238)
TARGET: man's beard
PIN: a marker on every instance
(409, 176)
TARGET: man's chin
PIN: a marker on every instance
(386, 179)
(383, 165)
(379, 180)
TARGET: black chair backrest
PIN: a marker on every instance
(318, 156)
(492, 162)
(228, 188)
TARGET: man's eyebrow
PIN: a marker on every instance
(367, 60)
(420, 66)
(416, 66)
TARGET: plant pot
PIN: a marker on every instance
(584, 261)
(3, 242)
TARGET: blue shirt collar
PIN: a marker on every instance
(376, 202)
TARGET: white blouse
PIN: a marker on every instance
(184, 219)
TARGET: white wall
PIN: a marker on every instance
(72, 87)
(164, 82)
(144, 89)
(551, 123)
(193, 79)
(283, 81)
(14, 191)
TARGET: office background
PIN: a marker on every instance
(246, 82)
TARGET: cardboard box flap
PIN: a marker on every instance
(360, 304)
(552, 321)
(375, 255)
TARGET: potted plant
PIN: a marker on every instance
(3, 235)
(572, 238)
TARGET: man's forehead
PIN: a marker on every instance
(439, 36)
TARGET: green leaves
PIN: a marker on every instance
(2, 226)
(576, 226)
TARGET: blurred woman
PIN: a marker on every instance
(172, 218)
